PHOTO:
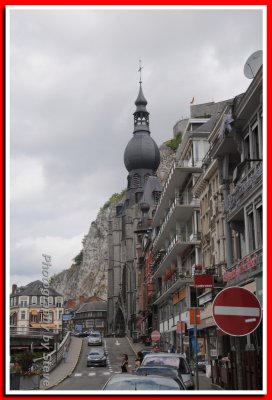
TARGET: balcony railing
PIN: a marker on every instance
(178, 238)
(243, 186)
(178, 201)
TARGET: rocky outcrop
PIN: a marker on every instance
(88, 275)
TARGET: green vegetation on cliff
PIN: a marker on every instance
(175, 142)
(113, 199)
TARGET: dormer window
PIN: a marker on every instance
(34, 300)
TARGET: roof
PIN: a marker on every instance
(93, 306)
(35, 289)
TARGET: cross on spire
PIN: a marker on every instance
(140, 70)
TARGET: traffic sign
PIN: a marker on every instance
(236, 311)
(155, 336)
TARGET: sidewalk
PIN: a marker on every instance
(63, 370)
(204, 382)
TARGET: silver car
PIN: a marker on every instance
(97, 356)
(134, 382)
(95, 339)
(172, 360)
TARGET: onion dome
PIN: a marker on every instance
(142, 151)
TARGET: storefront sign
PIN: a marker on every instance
(203, 281)
(244, 265)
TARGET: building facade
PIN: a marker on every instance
(33, 306)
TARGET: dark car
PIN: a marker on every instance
(97, 356)
(81, 334)
(173, 360)
(201, 365)
(159, 370)
(146, 350)
(137, 382)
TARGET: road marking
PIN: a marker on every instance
(78, 374)
(92, 373)
(246, 311)
(117, 343)
(106, 373)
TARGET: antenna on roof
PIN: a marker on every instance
(253, 64)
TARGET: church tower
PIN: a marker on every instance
(142, 159)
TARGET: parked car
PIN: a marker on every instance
(172, 360)
(81, 334)
(201, 365)
(137, 382)
(145, 370)
(146, 350)
(97, 356)
(95, 339)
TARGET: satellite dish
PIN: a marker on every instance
(253, 64)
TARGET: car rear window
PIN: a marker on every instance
(175, 362)
(95, 335)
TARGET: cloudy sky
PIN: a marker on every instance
(73, 79)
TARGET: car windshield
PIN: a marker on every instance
(143, 385)
(94, 335)
(175, 362)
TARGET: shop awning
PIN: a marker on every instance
(34, 312)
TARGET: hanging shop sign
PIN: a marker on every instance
(203, 281)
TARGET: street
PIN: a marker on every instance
(94, 378)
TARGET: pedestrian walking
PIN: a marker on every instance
(173, 349)
(139, 359)
(124, 365)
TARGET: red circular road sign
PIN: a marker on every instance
(236, 311)
(155, 335)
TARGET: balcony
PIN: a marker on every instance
(176, 178)
(176, 247)
(224, 143)
(180, 211)
(244, 186)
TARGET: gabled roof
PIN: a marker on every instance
(35, 289)
(93, 306)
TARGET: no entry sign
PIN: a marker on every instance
(236, 311)
(155, 336)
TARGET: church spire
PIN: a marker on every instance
(141, 115)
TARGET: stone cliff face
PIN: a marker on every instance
(88, 276)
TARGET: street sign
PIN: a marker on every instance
(192, 316)
(203, 281)
(236, 311)
(155, 336)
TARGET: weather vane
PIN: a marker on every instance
(140, 70)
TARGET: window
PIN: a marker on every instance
(255, 142)
(11, 301)
(250, 229)
(23, 301)
(136, 180)
(99, 323)
(34, 318)
(58, 302)
(259, 224)
(34, 300)
(15, 301)
(23, 315)
(60, 314)
(50, 300)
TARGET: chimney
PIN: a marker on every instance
(81, 299)
(14, 288)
